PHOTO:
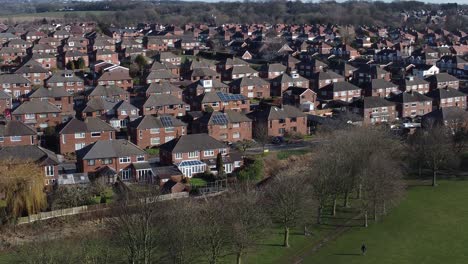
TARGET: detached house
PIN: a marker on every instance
(108, 160)
(150, 131)
(278, 121)
(197, 153)
(76, 134)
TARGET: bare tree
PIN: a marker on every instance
(136, 226)
(178, 237)
(212, 233)
(286, 199)
(433, 147)
(261, 134)
(246, 219)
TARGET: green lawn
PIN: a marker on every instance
(108, 193)
(429, 226)
(198, 182)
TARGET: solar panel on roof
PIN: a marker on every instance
(230, 97)
(220, 119)
(166, 121)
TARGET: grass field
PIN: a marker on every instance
(284, 154)
(429, 226)
(50, 15)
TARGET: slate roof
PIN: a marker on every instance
(445, 93)
(224, 118)
(342, 86)
(29, 152)
(151, 121)
(328, 75)
(381, 84)
(371, 102)
(31, 66)
(90, 124)
(109, 149)
(55, 92)
(192, 142)
(248, 81)
(15, 128)
(161, 74)
(36, 106)
(59, 76)
(408, 97)
(107, 91)
(162, 99)
(13, 78)
(211, 97)
(446, 114)
(442, 77)
(162, 88)
(4, 95)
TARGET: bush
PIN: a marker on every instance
(253, 172)
(71, 196)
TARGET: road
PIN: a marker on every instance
(285, 146)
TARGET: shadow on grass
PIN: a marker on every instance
(348, 254)
(271, 245)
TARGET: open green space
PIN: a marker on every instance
(198, 182)
(429, 226)
(284, 154)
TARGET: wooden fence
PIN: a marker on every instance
(90, 208)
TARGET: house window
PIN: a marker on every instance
(193, 154)
(15, 138)
(169, 129)
(236, 135)
(178, 155)
(95, 134)
(155, 141)
(154, 130)
(140, 158)
(124, 160)
(91, 162)
(29, 116)
(1, 139)
(208, 153)
(49, 171)
(123, 112)
(79, 146)
(223, 151)
(80, 135)
(106, 161)
(126, 174)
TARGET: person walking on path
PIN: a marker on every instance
(363, 249)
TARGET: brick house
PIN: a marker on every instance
(271, 71)
(41, 156)
(374, 110)
(47, 61)
(118, 76)
(412, 83)
(452, 117)
(57, 96)
(278, 121)
(322, 79)
(200, 87)
(15, 84)
(156, 44)
(342, 91)
(163, 75)
(150, 131)
(443, 80)
(381, 88)
(236, 72)
(76, 134)
(447, 97)
(412, 104)
(166, 104)
(109, 92)
(163, 88)
(116, 112)
(308, 67)
(227, 126)
(108, 160)
(67, 80)
(219, 101)
(71, 56)
(34, 72)
(367, 72)
(39, 114)
(250, 87)
(284, 81)
(302, 98)
(6, 103)
(105, 55)
(16, 133)
(197, 153)
(11, 56)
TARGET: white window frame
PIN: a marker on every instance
(80, 135)
(49, 171)
(125, 160)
